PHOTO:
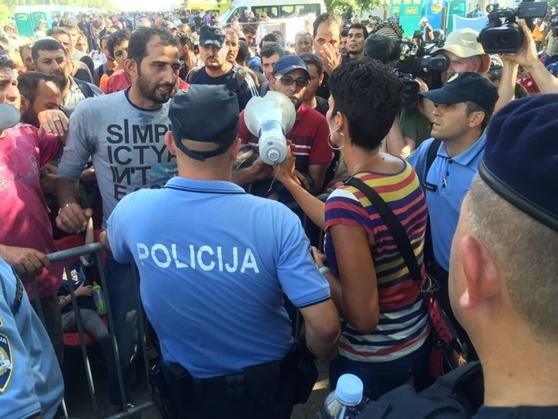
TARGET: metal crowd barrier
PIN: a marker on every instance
(95, 249)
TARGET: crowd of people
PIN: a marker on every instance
(134, 126)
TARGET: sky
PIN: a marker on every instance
(152, 5)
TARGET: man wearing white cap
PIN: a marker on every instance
(464, 52)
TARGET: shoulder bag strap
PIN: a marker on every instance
(393, 225)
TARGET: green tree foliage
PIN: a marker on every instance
(95, 4)
(339, 6)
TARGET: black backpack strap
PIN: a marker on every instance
(430, 156)
(394, 226)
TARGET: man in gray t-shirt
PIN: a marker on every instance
(123, 133)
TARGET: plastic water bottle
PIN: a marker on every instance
(100, 304)
(347, 401)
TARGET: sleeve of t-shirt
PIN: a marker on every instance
(300, 279)
(343, 208)
(116, 231)
(80, 145)
(321, 152)
(243, 132)
(18, 399)
(49, 147)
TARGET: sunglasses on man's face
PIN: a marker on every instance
(289, 81)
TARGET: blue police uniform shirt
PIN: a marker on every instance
(448, 180)
(30, 379)
(214, 263)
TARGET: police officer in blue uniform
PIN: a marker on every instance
(447, 163)
(30, 379)
(215, 264)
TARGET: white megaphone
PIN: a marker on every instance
(9, 116)
(270, 118)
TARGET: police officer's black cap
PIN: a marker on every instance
(520, 161)
(466, 87)
(205, 114)
(211, 35)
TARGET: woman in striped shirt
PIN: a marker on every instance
(385, 322)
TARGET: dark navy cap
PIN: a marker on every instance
(288, 63)
(211, 35)
(521, 156)
(207, 114)
(465, 87)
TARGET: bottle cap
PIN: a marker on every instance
(349, 390)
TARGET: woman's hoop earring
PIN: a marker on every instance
(331, 145)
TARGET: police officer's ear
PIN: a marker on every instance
(481, 273)
(169, 141)
(476, 118)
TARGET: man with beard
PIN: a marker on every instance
(216, 51)
(123, 133)
(355, 42)
(310, 132)
(39, 92)
(51, 58)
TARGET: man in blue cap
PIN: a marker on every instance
(215, 263)
(447, 162)
(309, 134)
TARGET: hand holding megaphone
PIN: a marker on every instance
(270, 118)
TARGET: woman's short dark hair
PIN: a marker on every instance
(368, 93)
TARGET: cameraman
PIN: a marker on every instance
(527, 57)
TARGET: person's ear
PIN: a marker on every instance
(131, 67)
(236, 148)
(482, 279)
(339, 121)
(24, 104)
(476, 119)
(169, 141)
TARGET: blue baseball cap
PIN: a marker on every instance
(520, 161)
(192, 116)
(288, 63)
(465, 87)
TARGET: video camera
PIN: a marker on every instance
(415, 61)
(503, 35)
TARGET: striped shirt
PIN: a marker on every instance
(403, 325)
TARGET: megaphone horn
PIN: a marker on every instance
(270, 118)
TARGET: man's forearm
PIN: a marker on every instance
(66, 191)
(545, 80)
(506, 89)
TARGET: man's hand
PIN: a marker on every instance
(24, 260)
(48, 178)
(527, 55)
(260, 170)
(84, 291)
(72, 218)
(330, 57)
(53, 121)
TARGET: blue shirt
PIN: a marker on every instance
(30, 379)
(214, 263)
(448, 180)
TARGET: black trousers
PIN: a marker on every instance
(191, 404)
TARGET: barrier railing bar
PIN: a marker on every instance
(84, 354)
(100, 269)
(75, 252)
(133, 410)
(143, 336)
